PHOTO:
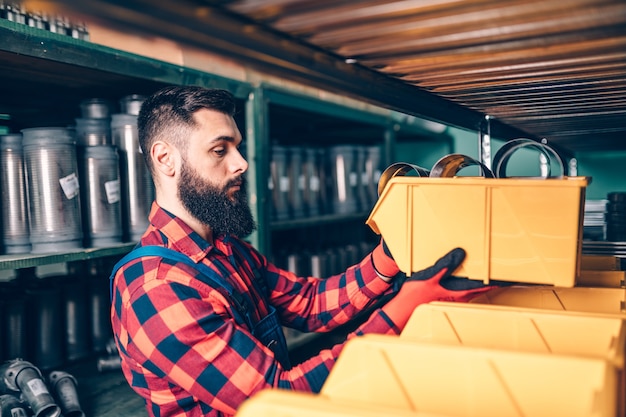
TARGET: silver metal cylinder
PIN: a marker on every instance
(312, 182)
(15, 234)
(93, 132)
(109, 363)
(101, 199)
(63, 386)
(344, 184)
(95, 108)
(279, 183)
(137, 188)
(53, 189)
(131, 104)
(373, 171)
(297, 181)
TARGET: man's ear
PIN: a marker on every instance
(162, 154)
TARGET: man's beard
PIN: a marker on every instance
(212, 206)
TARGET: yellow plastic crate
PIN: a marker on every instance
(517, 230)
(582, 299)
(527, 329)
(283, 403)
(464, 381)
(518, 328)
(609, 279)
(600, 263)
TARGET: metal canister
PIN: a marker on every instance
(344, 183)
(360, 167)
(99, 304)
(93, 132)
(15, 234)
(2, 326)
(279, 183)
(101, 200)
(53, 189)
(312, 182)
(297, 181)
(47, 325)
(131, 104)
(77, 330)
(14, 322)
(373, 171)
(137, 188)
(95, 108)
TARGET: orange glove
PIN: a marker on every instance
(435, 283)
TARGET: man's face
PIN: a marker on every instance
(211, 185)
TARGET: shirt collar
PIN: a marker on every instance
(182, 238)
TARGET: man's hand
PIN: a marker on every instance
(435, 283)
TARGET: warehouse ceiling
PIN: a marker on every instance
(549, 69)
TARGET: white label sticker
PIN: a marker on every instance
(112, 189)
(37, 387)
(70, 185)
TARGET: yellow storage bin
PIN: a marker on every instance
(516, 230)
(518, 328)
(609, 279)
(526, 329)
(601, 263)
(464, 381)
(282, 403)
(582, 299)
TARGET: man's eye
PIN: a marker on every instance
(219, 151)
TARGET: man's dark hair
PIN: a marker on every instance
(168, 114)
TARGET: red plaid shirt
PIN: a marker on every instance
(181, 348)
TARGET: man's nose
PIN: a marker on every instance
(239, 163)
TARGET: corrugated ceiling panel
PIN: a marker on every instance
(553, 68)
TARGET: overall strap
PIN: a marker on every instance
(241, 303)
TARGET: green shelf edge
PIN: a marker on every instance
(29, 260)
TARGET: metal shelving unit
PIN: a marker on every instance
(57, 71)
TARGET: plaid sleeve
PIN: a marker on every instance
(313, 304)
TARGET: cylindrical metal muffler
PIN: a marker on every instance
(312, 182)
(279, 183)
(53, 189)
(47, 325)
(15, 234)
(95, 108)
(14, 322)
(93, 132)
(344, 182)
(131, 104)
(137, 188)
(77, 330)
(99, 305)
(21, 376)
(63, 386)
(11, 406)
(101, 204)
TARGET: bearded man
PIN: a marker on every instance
(197, 312)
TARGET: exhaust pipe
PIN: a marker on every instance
(11, 406)
(63, 386)
(21, 376)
